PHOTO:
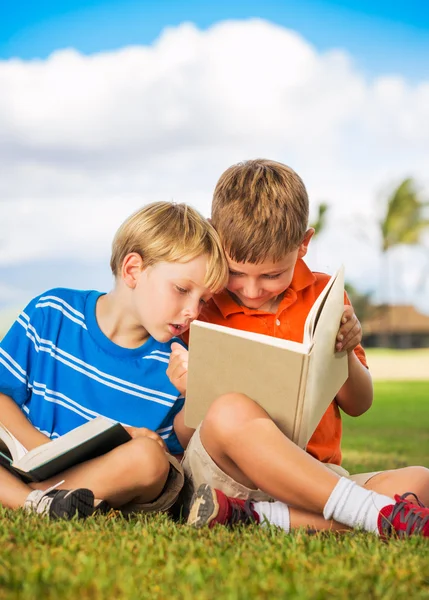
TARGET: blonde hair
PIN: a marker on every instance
(165, 231)
(260, 210)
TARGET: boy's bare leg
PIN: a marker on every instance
(302, 518)
(389, 483)
(136, 470)
(13, 492)
(400, 481)
(246, 444)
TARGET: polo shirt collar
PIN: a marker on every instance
(302, 278)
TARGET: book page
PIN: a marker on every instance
(328, 369)
(16, 449)
(316, 309)
(268, 340)
(51, 449)
(224, 360)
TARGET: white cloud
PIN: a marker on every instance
(88, 139)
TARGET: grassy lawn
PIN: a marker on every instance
(396, 352)
(156, 559)
(394, 433)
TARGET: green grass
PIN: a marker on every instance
(396, 352)
(154, 558)
(393, 433)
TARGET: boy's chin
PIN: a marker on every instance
(251, 302)
(166, 336)
(163, 339)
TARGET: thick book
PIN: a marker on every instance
(92, 439)
(294, 382)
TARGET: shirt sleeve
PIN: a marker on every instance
(18, 354)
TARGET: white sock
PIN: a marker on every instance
(275, 513)
(355, 506)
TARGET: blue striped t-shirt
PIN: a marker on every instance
(60, 368)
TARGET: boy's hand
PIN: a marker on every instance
(136, 432)
(177, 370)
(350, 332)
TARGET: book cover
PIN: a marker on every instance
(294, 382)
(95, 438)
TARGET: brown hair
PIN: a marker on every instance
(166, 231)
(260, 210)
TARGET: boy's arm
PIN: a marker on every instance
(14, 419)
(183, 432)
(19, 355)
(355, 397)
(177, 370)
(178, 374)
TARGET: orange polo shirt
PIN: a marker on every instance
(288, 323)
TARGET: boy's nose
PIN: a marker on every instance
(251, 290)
(192, 310)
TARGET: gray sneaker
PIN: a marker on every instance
(61, 504)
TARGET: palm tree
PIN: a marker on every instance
(362, 302)
(404, 220)
(320, 223)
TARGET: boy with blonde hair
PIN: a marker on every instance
(238, 460)
(74, 355)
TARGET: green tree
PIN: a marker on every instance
(403, 222)
(320, 223)
(362, 302)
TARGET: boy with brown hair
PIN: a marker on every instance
(73, 355)
(238, 459)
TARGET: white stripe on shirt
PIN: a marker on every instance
(92, 376)
(13, 362)
(64, 303)
(61, 403)
(9, 368)
(61, 309)
(42, 387)
(151, 357)
(58, 354)
(164, 429)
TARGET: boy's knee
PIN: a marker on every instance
(418, 477)
(231, 410)
(146, 457)
(415, 480)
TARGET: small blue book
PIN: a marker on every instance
(92, 439)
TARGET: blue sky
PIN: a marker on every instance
(382, 36)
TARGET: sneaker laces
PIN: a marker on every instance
(38, 501)
(414, 514)
(241, 513)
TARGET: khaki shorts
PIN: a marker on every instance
(172, 488)
(200, 468)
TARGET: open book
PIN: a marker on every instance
(294, 382)
(92, 439)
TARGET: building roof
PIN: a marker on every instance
(396, 319)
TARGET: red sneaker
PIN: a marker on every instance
(210, 507)
(405, 518)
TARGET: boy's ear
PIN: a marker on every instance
(132, 266)
(302, 251)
